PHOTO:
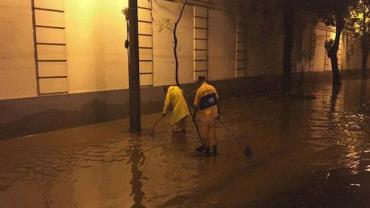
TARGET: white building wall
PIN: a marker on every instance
(221, 45)
(17, 67)
(263, 39)
(96, 59)
(353, 54)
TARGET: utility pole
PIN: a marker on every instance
(133, 62)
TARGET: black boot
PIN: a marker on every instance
(215, 150)
(200, 148)
(206, 150)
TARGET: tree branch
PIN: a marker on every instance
(176, 41)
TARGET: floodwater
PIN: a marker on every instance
(307, 153)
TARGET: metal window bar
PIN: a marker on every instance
(35, 47)
(35, 25)
(53, 77)
(239, 61)
(49, 10)
(143, 47)
(51, 44)
(150, 35)
(145, 21)
(51, 60)
(143, 34)
(144, 8)
(197, 39)
(50, 27)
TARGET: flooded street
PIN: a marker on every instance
(307, 153)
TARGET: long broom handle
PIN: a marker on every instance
(155, 125)
(230, 132)
(193, 120)
(197, 128)
(247, 151)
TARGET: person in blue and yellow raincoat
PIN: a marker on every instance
(207, 113)
(175, 98)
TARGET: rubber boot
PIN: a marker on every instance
(200, 148)
(215, 149)
(206, 150)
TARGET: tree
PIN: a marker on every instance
(176, 41)
(360, 27)
(165, 24)
(289, 8)
(334, 13)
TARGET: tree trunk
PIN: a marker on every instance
(364, 73)
(335, 70)
(176, 41)
(288, 21)
(365, 53)
(332, 52)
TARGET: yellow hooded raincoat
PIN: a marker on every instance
(175, 97)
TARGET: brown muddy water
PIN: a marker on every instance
(307, 153)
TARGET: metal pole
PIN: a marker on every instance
(35, 46)
(134, 78)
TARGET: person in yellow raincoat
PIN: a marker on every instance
(207, 113)
(175, 98)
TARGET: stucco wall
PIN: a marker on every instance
(353, 54)
(95, 31)
(222, 53)
(17, 71)
(263, 38)
(96, 67)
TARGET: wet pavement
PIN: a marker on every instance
(307, 153)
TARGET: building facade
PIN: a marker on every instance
(66, 60)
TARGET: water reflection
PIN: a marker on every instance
(136, 159)
(309, 153)
(333, 102)
(284, 121)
